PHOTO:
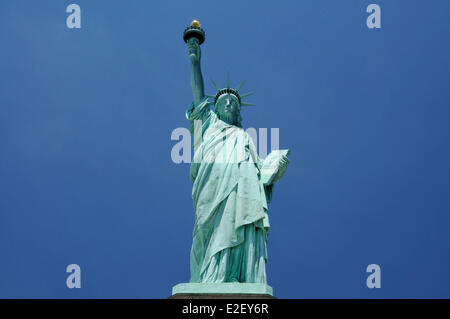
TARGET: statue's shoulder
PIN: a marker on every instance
(199, 111)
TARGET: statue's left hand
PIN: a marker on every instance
(282, 165)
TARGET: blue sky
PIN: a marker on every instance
(86, 117)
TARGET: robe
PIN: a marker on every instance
(229, 240)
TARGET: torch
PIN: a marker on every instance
(194, 31)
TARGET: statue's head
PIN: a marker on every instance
(228, 109)
(227, 104)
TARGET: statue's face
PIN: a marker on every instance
(228, 108)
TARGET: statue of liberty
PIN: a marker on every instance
(231, 184)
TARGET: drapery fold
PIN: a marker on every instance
(231, 221)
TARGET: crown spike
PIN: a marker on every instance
(247, 94)
(240, 86)
(228, 80)
(247, 104)
(214, 83)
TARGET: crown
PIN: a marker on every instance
(229, 90)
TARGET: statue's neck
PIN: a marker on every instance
(229, 120)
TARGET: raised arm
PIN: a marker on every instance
(194, 52)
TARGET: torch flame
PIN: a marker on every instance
(195, 24)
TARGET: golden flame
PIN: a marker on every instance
(195, 24)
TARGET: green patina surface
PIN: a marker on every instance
(222, 288)
(231, 191)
